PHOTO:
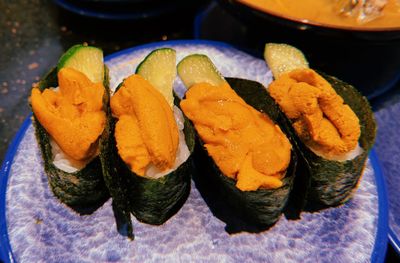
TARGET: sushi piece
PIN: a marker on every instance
(332, 122)
(69, 118)
(252, 159)
(147, 165)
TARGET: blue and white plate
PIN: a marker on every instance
(388, 150)
(36, 227)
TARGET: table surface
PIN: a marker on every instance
(33, 35)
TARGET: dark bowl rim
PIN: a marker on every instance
(306, 22)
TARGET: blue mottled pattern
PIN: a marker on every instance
(41, 229)
(388, 150)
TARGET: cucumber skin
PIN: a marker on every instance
(299, 57)
(138, 68)
(79, 189)
(151, 201)
(142, 63)
(67, 55)
(64, 58)
(261, 208)
(331, 183)
(214, 70)
(70, 52)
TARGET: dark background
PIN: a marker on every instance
(33, 35)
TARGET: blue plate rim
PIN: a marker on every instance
(381, 239)
(198, 20)
(111, 15)
(6, 254)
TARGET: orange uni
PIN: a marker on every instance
(244, 143)
(319, 114)
(73, 115)
(146, 130)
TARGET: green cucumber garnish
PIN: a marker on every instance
(86, 59)
(199, 68)
(283, 58)
(159, 68)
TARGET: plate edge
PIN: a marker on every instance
(5, 249)
(381, 239)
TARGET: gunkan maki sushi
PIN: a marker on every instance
(146, 161)
(252, 158)
(332, 123)
(69, 113)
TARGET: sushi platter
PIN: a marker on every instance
(335, 211)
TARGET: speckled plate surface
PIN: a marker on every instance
(36, 227)
(388, 150)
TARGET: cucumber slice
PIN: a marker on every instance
(86, 59)
(283, 58)
(159, 68)
(199, 68)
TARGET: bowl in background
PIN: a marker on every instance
(128, 10)
(368, 58)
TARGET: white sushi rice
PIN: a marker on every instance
(64, 162)
(340, 158)
(69, 165)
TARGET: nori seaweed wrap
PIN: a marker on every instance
(262, 207)
(330, 182)
(150, 200)
(80, 189)
(245, 150)
(134, 164)
(331, 122)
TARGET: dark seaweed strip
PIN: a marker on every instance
(360, 105)
(156, 200)
(115, 182)
(151, 201)
(330, 183)
(189, 131)
(264, 206)
(80, 189)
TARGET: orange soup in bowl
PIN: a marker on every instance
(329, 12)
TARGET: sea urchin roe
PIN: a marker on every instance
(72, 115)
(146, 131)
(319, 114)
(244, 143)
